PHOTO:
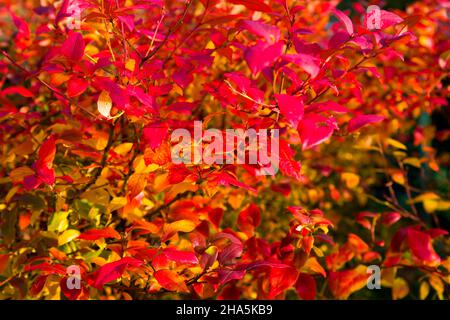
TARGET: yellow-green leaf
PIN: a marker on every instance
(67, 236)
(59, 222)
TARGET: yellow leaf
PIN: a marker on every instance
(424, 290)
(350, 179)
(235, 199)
(400, 289)
(430, 205)
(5, 180)
(396, 144)
(318, 251)
(425, 196)
(437, 285)
(412, 162)
(210, 45)
(443, 205)
(131, 63)
(123, 148)
(388, 277)
(67, 236)
(398, 177)
(11, 193)
(446, 263)
(117, 203)
(313, 266)
(181, 225)
(97, 196)
(104, 104)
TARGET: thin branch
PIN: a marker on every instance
(168, 204)
(171, 31)
(48, 86)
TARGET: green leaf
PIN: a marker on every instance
(59, 222)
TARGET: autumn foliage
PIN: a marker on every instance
(86, 177)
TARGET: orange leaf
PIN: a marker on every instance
(343, 283)
(170, 280)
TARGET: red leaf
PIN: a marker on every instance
(306, 286)
(4, 258)
(177, 173)
(256, 5)
(38, 285)
(249, 219)
(291, 108)
(47, 268)
(31, 182)
(280, 276)
(229, 275)
(327, 106)
(345, 21)
(94, 234)
(232, 249)
(315, 129)
(269, 32)
(111, 271)
(18, 90)
(44, 164)
(183, 77)
(421, 247)
(73, 47)
(128, 20)
(381, 19)
(182, 257)
(76, 86)
(262, 55)
(118, 95)
(73, 293)
(21, 25)
(389, 218)
(436, 232)
(154, 134)
(307, 62)
(225, 179)
(215, 216)
(288, 165)
(363, 120)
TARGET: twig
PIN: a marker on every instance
(98, 170)
(168, 204)
(51, 88)
(171, 30)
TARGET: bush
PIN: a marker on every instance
(90, 191)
